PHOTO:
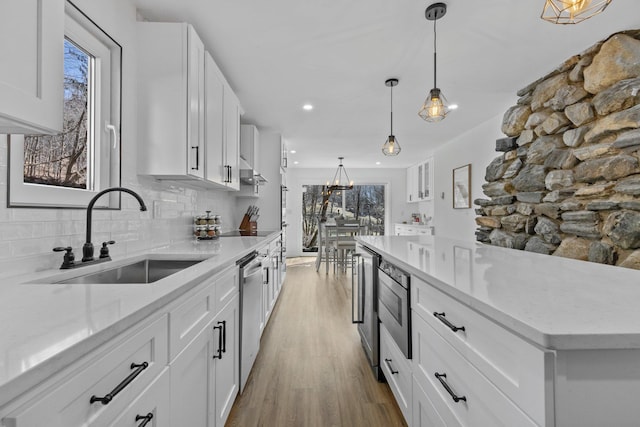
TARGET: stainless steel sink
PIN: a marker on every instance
(144, 271)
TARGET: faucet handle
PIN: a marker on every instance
(104, 250)
(69, 257)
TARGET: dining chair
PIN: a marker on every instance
(345, 244)
(326, 246)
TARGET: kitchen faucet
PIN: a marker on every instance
(87, 248)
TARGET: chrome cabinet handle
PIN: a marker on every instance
(388, 362)
(109, 396)
(442, 379)
(146, 419)
(441, 317)
(218, 354)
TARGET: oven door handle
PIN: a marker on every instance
(357, 296)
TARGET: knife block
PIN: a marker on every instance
(244, 224)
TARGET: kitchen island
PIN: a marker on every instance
(48, 327)
(560, 338)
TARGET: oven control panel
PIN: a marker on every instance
(395, 273)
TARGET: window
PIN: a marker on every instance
(68, 169)
(365, 203)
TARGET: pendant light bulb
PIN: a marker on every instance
(572, 11)
(435, 107)
(391, 146)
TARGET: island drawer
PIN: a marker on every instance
(516, 367)
(456, 389)
(122, 372)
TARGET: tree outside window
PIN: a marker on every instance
(61, 160)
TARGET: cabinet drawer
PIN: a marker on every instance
(69, 403)
(397, 370)
(424, 411)
(516, 367)
(188, 319)
(227, 286)
(153, 403)
(481, 403)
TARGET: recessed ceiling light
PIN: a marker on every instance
(293, 151)
(296, 162)
(377, 163)
(307, 107)
(453, 106)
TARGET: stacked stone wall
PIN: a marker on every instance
(568, 180)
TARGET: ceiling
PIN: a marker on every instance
(336, 55)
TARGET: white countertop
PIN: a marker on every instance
(555, 302)
(45, 327)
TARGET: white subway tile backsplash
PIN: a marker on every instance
(28, 236)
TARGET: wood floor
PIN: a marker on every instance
(311, 369)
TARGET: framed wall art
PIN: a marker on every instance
(462, 187)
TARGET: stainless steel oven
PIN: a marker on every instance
(394, 304)
(364, 308)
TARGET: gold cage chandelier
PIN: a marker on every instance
(572, 11)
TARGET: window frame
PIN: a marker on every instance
(106, 153)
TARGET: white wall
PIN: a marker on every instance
(27, 236)
(395, 179)
(477, 147)
(269, 193)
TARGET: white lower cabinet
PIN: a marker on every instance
(205, 374)
(397, 370)
(227, 365)
(423, 410)
(152, 406)
(460, 393)
(178, 367)
(412, 230)
(97, 389)
(192, 382)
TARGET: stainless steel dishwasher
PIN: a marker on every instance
(250, 312)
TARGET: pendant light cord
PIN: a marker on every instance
(391, 109)
(434, 53)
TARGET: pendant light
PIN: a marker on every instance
(338, 182)
(572, 11)
(436, 106)
(391, 146)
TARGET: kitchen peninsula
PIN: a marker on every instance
(527, 339)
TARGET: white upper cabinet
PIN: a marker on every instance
(420, 181)
(232, 113)
(170, 101)
(31, 78)
(216, 168)
(412, 184)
